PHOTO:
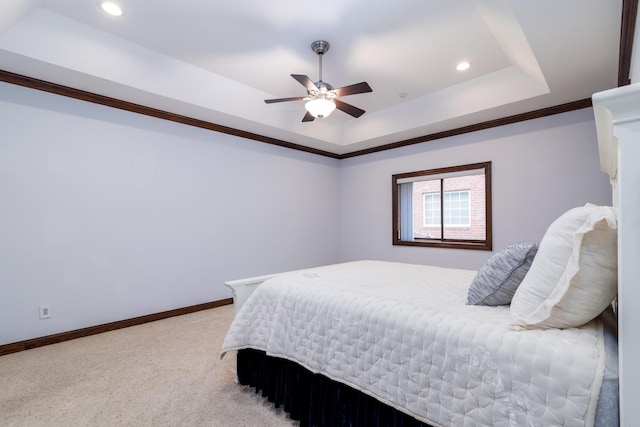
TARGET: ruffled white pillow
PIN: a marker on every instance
(574, 275)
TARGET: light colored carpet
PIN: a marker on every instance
(164, 373)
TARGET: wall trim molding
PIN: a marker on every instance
(536, 114)
(98, 329)
(32, 83)
(83, 95)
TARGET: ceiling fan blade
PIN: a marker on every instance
(295, 98)
(308, 117)
(348, 108)
(306, 82)
(362, 87)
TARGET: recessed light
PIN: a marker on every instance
(111, 8)
(463, 66)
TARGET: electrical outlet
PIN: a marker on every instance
(45, 311)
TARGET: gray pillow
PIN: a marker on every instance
(498, 279)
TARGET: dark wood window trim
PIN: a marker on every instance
(442, 242)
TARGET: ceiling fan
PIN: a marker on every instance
(321, 96)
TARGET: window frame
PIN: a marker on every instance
(442, 242)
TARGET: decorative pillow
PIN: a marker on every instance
(574, 275)
(498, 279)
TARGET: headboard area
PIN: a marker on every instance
(617, 115)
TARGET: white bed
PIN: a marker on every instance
(485, 372)
(416, 346)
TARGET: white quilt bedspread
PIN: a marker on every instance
(403, 334)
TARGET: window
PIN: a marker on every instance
(431, 209)
(447, 207)
(456, 209)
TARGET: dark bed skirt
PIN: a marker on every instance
(314, 399)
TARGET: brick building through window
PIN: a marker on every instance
(464, 208)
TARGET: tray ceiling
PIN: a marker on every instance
(219, 61)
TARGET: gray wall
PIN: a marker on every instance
(540, 169)
(107, 215)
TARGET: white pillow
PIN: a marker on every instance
(574, 275)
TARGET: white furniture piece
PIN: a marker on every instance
(617, 114)
(242, 288)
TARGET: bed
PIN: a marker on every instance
(393, 344)
(416, 347)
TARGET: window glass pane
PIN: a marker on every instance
(426, 195)
(431, 209)
(447, 207)
(465, 216)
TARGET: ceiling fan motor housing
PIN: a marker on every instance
(324, 88)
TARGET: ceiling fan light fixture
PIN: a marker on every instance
(320, 107)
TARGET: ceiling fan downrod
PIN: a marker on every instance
(320, 47)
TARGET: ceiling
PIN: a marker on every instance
(218, 61)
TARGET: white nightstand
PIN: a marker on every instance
(242, 288)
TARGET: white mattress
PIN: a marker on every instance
(403, 334)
